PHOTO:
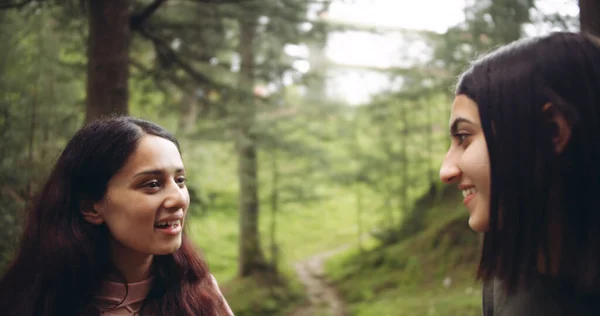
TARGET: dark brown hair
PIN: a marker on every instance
(62, 259)
(532, 186)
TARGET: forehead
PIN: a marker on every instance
(464, 107)
(153, 152)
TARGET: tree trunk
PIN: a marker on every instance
(108, 58)
(429, 139)
(357, 184)
(385, 132)
(274, 207)
(589, 16)
(404, 207)
(190, 115)
(251, 257)
(33, 128)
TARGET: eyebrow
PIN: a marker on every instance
(156, 172)
(457, 121)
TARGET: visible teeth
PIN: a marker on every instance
(469, 191)
(169, 223)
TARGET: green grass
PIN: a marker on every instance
(463, 301)
(301, 231)
(217, 236)
(251, 297)
(408, 278)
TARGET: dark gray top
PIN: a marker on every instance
(543, 297)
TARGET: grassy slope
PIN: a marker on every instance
(301, 232)
(407, 278)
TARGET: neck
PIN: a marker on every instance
(133, 265)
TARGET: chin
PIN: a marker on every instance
(168, 249)
(478, 225)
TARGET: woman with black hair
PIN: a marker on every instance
(106, 234)
(525, 152)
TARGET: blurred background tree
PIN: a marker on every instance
(306, 126)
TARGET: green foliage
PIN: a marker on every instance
(419, 217)
(488, 24)
(328, 173)
(407, 278)
(400, 137)
(255, 297)
(38, 110)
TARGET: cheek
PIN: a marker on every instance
(129, 211)
(476, 164)
(187, 198)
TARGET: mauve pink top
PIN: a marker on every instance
(112, 293)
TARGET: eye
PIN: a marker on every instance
(461, 137)
(180, 180)
(152, 185)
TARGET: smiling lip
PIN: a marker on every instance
(172, 230)
(471, 191)
(175, 217)
(468, 198)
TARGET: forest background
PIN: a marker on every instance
(312, 132)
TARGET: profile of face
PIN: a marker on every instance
(146, 201)
(467, 161)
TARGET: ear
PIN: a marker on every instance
(90, 213)
(561, 130)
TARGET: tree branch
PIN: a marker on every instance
(11, 5)
(137, 20)
(165, 49)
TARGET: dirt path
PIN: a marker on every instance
(323, 298)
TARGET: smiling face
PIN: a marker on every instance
(146, 200)
(467, 162)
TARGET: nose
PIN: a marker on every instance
(449, 171)
(176, 197)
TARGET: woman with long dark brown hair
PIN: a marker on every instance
(525, 153)
(105, 236)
